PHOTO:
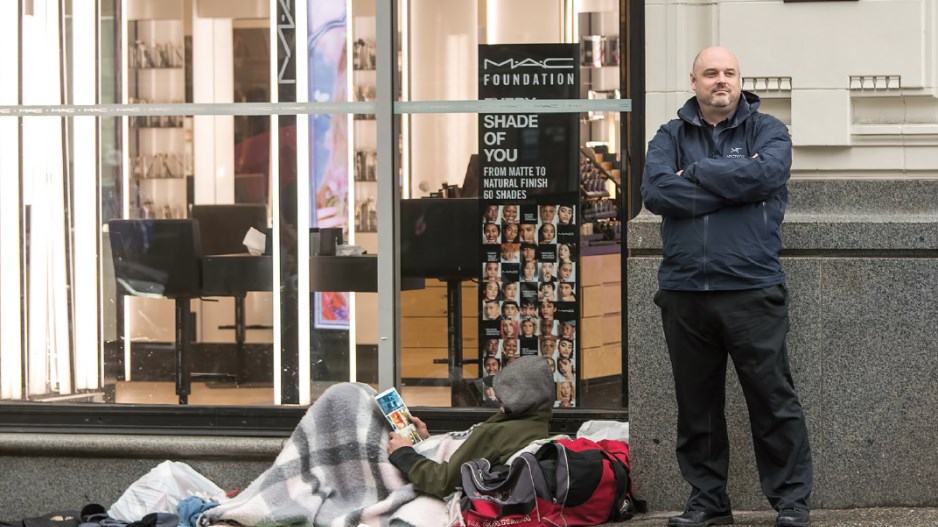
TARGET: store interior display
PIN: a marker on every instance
(363, 136)
(600, 160)
(600, 186)
(159, 161)
(159, 164)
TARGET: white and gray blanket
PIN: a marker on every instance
(334, 470)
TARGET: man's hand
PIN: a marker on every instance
(396, 441)
(421, 427)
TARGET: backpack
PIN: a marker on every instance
(566, 482)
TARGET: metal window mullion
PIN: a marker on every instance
(388, 199)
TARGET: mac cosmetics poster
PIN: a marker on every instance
(528, 213)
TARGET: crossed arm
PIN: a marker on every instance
(709, 184)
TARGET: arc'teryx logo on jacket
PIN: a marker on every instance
(721, 218)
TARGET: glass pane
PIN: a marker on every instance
(525, 171)
(119, 267)
(440, 42)
(121, 232)
(520, 253)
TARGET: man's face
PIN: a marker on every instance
(491, 347)
(491, 366)
(716, 80)
(491, 213)
(527, 232)
(547, 213)
(491, 310)
(528, 310)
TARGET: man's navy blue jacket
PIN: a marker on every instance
(721, 218)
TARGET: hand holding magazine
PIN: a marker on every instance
(396, 412)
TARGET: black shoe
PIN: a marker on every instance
(793, 518)
(701, 519)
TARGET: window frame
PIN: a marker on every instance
(279, 421)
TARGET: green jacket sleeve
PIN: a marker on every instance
(441, 479)
(496, 440)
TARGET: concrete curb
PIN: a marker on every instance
(879, 517)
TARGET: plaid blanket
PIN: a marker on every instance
(334, 470)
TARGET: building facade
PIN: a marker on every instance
(163, 112)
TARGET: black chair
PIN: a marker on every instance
(223, 228)
(161, 258)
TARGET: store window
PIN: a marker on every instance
(518, 170)
(156, 202)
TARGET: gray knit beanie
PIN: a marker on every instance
(526, 385)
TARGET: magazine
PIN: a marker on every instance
(396, 412)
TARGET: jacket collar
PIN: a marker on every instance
(748, 104)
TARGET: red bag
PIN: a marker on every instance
(566, 482)
(600, 488)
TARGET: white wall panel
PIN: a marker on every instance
(820, 117)
(444, 37)
(524, 21)
(820, 44)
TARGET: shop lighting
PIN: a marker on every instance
(11, 342)
(85, 281)
(125, 198)
(274, 171)
(49, 360)
(302, 202)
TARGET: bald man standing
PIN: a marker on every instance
(717, 175)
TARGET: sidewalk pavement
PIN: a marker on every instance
(885, 517)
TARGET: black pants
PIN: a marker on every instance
(701, 329)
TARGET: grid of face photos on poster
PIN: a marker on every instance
(528, 290)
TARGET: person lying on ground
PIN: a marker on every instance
(525, 389)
